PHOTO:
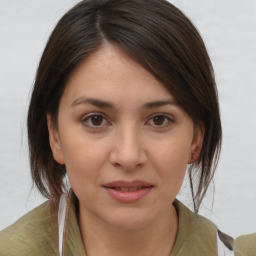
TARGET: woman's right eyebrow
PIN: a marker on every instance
(92, 101)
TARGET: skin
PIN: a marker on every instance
(128, 140)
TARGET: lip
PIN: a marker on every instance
(128, 196)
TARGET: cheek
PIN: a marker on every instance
(170, 160)
(84, 159)
(172, 153)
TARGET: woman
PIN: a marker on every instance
(124, 99)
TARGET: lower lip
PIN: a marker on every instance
(128, 196)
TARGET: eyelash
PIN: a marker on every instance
(87, 120)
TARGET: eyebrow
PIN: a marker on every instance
(94, 102)
(159, 103)
(105, 104)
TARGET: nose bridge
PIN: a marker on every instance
(128, 151)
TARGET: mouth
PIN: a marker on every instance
(127, 185)
(127, 189)
(128, 192)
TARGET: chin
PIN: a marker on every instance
(130, 219)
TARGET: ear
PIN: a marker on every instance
(197, 143)
(54, 141)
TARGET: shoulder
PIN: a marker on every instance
(245, 245)
(196, 235)
(196, 223)
(32, 233)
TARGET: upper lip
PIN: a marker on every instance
(127, 184)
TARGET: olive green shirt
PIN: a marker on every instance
(36, 233)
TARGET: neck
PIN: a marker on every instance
(156, 238)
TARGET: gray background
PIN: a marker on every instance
(228, 28)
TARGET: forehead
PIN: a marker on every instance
(110, 73)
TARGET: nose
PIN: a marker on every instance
(128, 152)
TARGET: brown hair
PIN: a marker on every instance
(155, 34)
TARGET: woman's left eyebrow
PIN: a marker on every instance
(159, 103)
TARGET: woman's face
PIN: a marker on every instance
(124, 140)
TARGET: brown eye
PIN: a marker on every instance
(96, 120)
(159, 120)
